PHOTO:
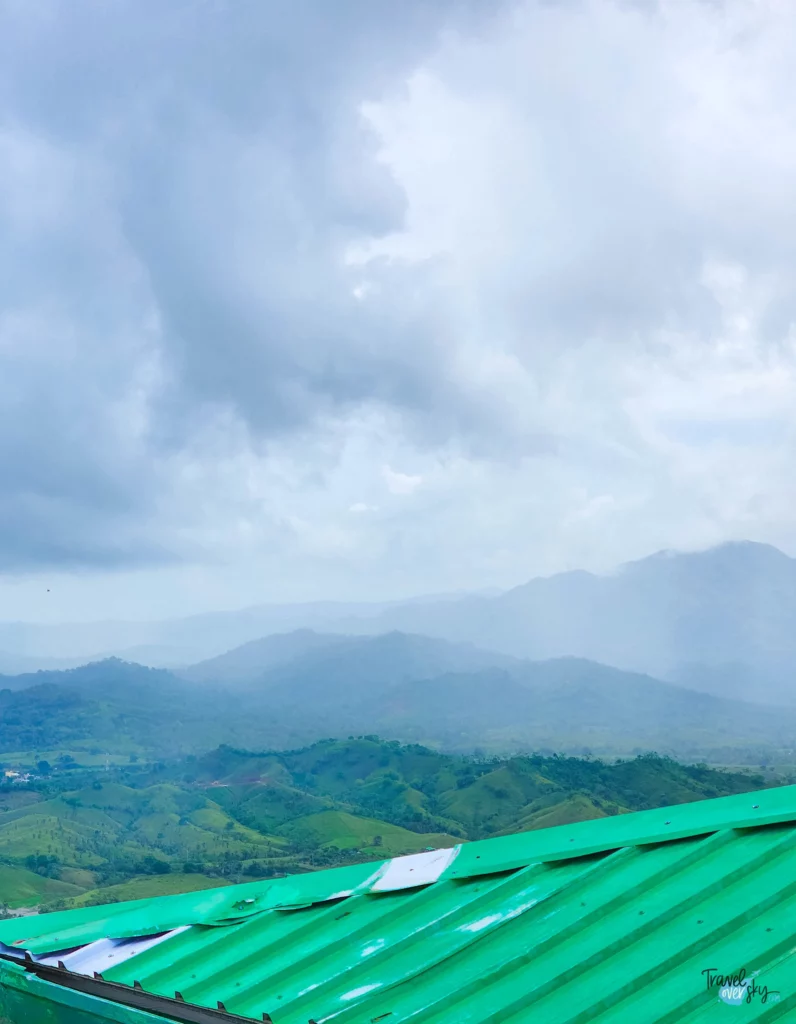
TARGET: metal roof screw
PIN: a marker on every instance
(755, 806)
(667, 823)
(699, 922)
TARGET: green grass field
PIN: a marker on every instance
(145, 886)
(22, 888)
(90, 825)
(351, 832)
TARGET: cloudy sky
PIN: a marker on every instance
(361, 299)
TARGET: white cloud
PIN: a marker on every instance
(400, 483)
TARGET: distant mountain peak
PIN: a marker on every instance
(741, 552)
(752, 546)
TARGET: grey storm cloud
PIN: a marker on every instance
(237, 165)
(179, 182)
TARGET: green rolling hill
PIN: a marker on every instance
(89, 835)
(20, 887)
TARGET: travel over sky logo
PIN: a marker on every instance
(736, 989)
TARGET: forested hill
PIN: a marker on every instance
(403, 687)
(469, 797)
(101, 834)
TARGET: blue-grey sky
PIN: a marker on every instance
(361, 299)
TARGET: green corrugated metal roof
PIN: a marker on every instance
(612, 921)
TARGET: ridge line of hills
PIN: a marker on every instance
(288, 690)
(719, 621)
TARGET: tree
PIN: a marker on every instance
(153, 866)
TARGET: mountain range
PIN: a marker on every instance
(720, 621)
(30, 646)
(289, 690)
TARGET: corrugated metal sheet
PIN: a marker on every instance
(624, 919)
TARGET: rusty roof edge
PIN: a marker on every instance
(102, 1000)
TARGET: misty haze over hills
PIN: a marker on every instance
(721, 621)
(333, 661)
(289, 690)
(674, 653)
(26, 647)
